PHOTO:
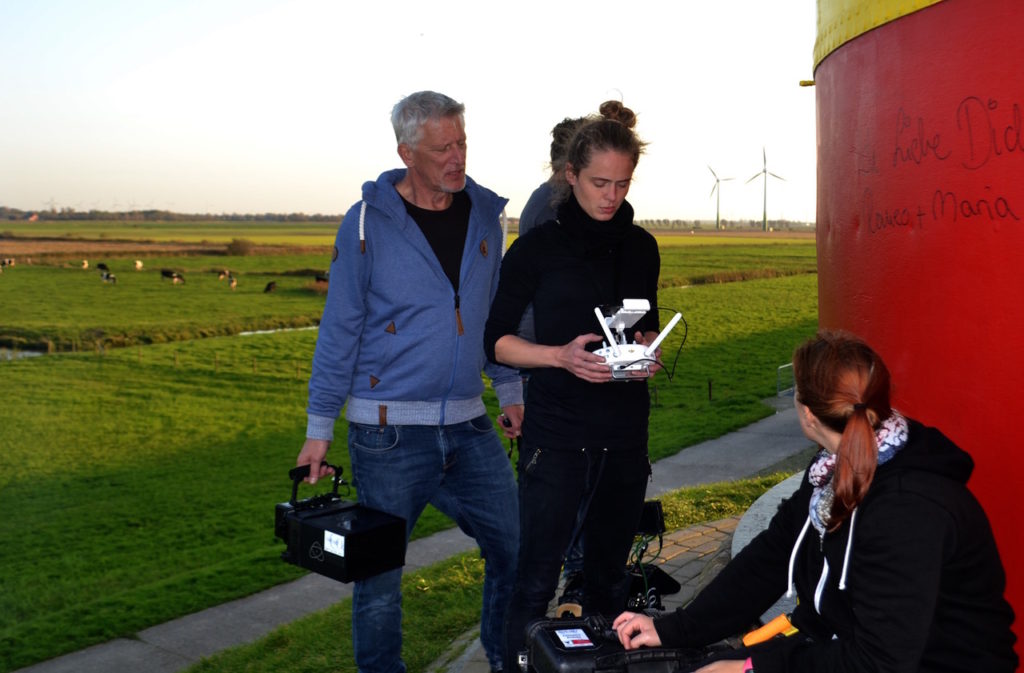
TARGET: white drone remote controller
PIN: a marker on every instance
(629, 361)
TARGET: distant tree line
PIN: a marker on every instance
(727, 225)
(152, 215)
(709, 225)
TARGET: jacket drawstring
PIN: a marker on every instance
(362, 228)
(504, 232)
(846, 556)
(792, 557)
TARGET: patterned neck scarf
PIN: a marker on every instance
(891, 436)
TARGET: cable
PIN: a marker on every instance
(686, 332)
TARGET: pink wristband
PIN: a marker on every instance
(748, 666)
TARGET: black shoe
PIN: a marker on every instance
(570, 603)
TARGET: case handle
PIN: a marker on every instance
(297, 474)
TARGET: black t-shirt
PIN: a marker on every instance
(445, 231)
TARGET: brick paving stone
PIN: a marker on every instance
(708, 546)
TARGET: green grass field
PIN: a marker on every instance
(138, 483)
(62, 308)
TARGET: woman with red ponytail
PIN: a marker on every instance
(890, 555)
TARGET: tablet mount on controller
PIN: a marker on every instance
(629, 361)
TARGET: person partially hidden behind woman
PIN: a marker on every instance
(893, 559)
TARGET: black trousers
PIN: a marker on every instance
(552, 485)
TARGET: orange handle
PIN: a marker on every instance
(780, 624)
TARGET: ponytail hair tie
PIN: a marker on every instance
(860, 406)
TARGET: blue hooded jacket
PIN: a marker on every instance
(397, 344)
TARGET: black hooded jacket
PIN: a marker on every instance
(565, 268)
(923, 580)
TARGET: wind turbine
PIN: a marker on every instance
(765, 172)
(718, 198)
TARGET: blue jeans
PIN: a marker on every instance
(552, 483)
(462, 470)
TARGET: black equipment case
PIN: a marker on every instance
(343, 540)
(589, 645)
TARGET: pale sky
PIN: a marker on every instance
(249, 106)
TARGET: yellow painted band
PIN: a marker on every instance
(840, 21)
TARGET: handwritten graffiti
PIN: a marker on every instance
(882, 218)
(980, 131)
(913, 144)
(986, 136)
(867, 162)
(948, 204)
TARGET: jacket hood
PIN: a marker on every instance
(928, 450)
(381, 193)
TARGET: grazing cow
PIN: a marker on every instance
(6, 262)
(233, 282)
(222, 274)
(138, 265)
(85, 264)
(271, 286)
(103, 267)
(174, 276)
(108, 277)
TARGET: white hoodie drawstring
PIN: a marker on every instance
(362, 228)
(846, 556)
(504, 232)
(792, 557)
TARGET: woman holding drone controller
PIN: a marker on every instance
(584, 434)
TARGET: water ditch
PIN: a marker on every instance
(7, 354)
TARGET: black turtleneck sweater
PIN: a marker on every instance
(565, 268)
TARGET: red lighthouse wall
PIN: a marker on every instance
(920, 222)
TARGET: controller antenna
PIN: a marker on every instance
(607, 332)
(649, 351)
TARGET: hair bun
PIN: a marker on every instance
(616, 111)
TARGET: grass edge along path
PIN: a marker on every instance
(442, 601)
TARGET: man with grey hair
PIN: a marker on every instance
(415, 266)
